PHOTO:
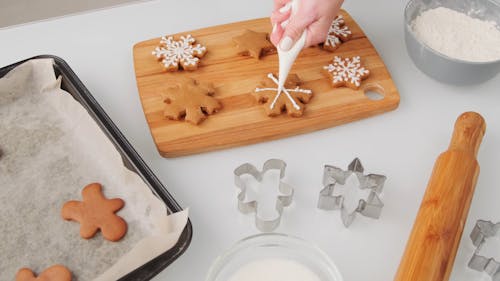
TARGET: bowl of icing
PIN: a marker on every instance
(270, 257)
(454, 41)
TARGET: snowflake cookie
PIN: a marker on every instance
(191, 101)
(346, 72)
(337, 34)
(290, 100)
(179, 54)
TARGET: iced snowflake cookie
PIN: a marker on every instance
(254, 44)
(191, 101)
(291, 100)
(337, 34)
(182, 54)
(346, 72)
(54, 273)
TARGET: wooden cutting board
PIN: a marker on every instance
(242, 120)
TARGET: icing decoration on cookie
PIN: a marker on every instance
(347, 72)
(54, 273)
(337, 34)
(291, 99)
(179, 54)
(254, 44)
(96, 212)
(191, 101)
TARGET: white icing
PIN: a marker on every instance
(337, 30)
(332, 40)
(284, 90)
(347, 70)
(287, 58)
(174, 52)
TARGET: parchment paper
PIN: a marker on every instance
(50, 148)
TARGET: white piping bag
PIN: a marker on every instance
(287, 58)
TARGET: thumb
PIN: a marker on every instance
(294, 29)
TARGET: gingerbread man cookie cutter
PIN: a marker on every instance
(282, 201)
(369, 207)
(481, 232)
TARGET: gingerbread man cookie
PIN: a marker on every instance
(254, 44)
(191, 101)
(179, 54)
(347, 72)
(96, 212)
(291, 100)
(54, 273)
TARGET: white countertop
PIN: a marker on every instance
(402, 144)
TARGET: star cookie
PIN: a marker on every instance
(254, 44)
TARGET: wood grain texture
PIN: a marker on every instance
(242, 120)
(433, 243)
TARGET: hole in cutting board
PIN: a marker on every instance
(374, 92)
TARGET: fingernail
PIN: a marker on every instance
(274, 27)
(286, 44)
(286, 8)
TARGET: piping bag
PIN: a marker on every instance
(287, 58)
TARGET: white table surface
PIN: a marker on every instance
(402, 144)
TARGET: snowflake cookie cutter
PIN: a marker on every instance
(369, 207)
(282, 201)
(481, 232)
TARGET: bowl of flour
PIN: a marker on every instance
(272, 257)
(454, 41)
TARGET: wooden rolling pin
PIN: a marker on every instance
(436, 234)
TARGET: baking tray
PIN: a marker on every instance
(72, 84)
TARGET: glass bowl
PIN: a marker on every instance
(439, 66)
(269, 249)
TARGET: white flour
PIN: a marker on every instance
(458, 35)
(274, 269)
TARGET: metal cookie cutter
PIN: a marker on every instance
(282, 201)
(481, 232)
(333, 176)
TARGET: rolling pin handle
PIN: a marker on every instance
(433, 243)
(468, 133)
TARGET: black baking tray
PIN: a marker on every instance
(72, 84)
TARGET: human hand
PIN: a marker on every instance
(315, 16)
